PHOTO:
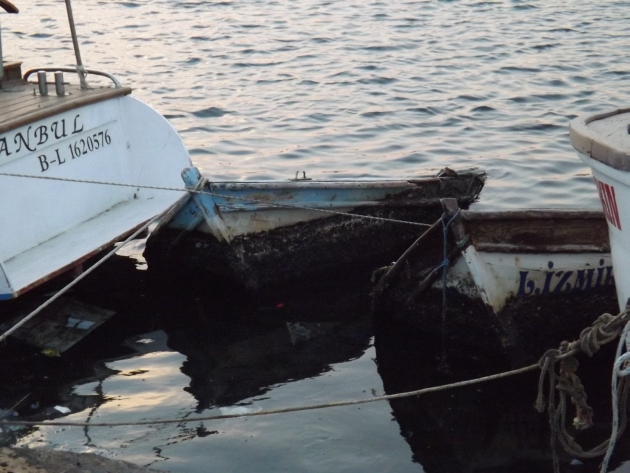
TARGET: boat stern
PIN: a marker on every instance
(603, 143)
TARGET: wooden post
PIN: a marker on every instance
(9, 8)
(75, 44)
(1, 60)
(458, 231)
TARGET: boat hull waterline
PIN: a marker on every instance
(264, 234)
(51, 226)
(523, 281)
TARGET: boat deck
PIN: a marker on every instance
(21, 102)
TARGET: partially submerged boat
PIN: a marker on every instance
(51, 133)
(516, 281)
(264, 234)
(603, 143)
(486, 427)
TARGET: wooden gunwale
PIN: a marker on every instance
(537, 231)
(22, 107)
(506, 248)
(321, 184)
(561, 214)
(13, 106)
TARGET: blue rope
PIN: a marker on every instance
(444, 265)
(445, 226)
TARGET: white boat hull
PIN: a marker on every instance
(519, 283)
(603, 143)
(497, 278)
(49, 226)
(614, 191)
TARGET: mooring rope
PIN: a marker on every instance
(444, 265)
(572, 349)
(621, 370)
(82, 276)
(215, 194)
(605, 329)
(386, 397)
(393, 270)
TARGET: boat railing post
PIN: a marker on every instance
(1, 60)
(9, 8)
(451, 207)
(59, 87)
(75, 43)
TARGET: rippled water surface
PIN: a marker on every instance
(260, 90)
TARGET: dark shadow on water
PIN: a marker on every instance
(237, 348)
(490, 427)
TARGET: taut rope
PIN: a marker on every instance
(214, 194)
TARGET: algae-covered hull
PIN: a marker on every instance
(267, 233)
(522, 281)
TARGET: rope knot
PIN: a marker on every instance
(548, 356)
(622, 365)
(570, 383)
(565, 381)
(605, 329)
(546, 364)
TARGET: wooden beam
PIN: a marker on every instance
(48, 106)
(8, 6)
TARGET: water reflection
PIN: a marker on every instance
(180, 348)
(259, 90)
(491, 427)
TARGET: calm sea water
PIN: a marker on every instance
(260, 90)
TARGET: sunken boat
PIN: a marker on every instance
(265, 234)
(510, 282)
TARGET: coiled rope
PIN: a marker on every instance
(605, 329)
(621, 369)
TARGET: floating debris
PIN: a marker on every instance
(60, 326)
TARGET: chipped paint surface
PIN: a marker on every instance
(270, 244)
(515, 300)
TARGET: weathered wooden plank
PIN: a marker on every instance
(542, 248)
(538, 231)
(22, 95)
(8, 99)
(15, 106)
(12, 102)
(33, 108)
(561, 214)
(25, 103)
